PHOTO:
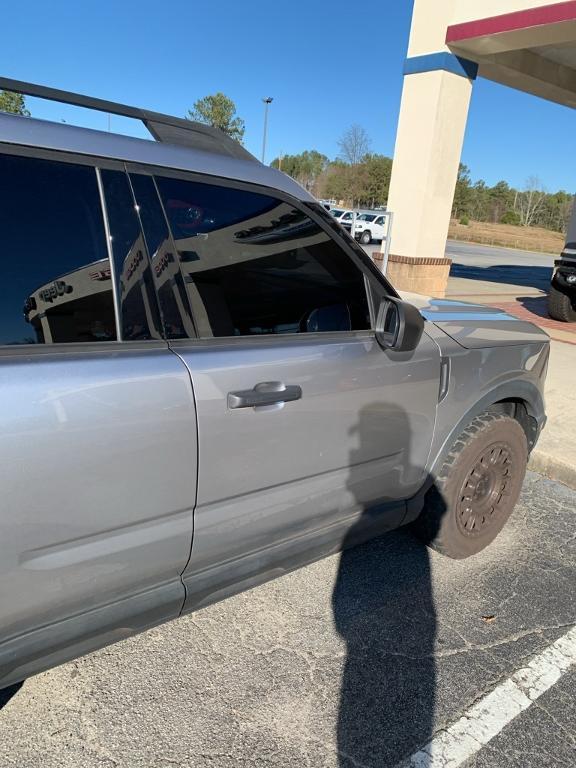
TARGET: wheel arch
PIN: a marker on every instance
(520, 399)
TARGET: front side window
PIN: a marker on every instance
(56, 283)
(256, 265)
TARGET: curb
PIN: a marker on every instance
(553, 468)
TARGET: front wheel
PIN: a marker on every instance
(477, 487)
(366, 237)
(560, 306)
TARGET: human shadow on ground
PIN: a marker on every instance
(7, 693)
(384, 610)
(507, 274)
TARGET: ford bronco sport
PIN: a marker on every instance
(206, 383)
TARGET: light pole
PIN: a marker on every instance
(267, 101)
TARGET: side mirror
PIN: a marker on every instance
(399, 325)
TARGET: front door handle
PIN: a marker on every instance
(265, 393)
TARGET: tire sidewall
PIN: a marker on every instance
(561, 305)
(449, 537)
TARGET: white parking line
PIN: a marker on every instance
(485, 719)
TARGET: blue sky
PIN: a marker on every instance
(325, 66)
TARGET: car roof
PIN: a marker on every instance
(16, 130)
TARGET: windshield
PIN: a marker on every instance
(367, 217)
(335, 212)
(347, 216)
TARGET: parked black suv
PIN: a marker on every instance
(562, 297)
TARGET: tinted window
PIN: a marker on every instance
(56, 284)
(139, 309)
(253, 264)
(166, 273)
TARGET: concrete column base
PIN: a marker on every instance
(427, 276)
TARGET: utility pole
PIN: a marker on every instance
(267, 101)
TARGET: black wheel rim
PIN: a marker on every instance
(485, 492)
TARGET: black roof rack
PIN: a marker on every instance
(164, 128)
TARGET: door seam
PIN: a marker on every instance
(187, 563)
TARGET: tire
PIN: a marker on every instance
(366, 237)
(560, 306)
(477, 487)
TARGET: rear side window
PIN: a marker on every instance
(56, 283)
(253, 264)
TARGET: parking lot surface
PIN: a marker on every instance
(357, 660)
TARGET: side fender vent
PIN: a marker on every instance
(444, 378)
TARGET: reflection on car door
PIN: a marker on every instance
(304, 421)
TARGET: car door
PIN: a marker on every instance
(98, 433)
(304, 422)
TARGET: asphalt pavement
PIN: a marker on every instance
(357, 661)
(353, 662)
(530, 272)
(513, 271)
(484, 256)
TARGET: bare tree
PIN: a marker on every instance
(354, 145)
(530, 201)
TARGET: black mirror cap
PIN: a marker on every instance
(399, 325)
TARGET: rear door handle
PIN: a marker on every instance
(265, 393)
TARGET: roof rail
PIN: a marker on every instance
(164, 128)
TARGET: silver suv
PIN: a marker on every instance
(207, 383)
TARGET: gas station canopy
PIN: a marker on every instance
(532, 50)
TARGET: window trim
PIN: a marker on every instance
(115, 293)
(273, 340)
(41, 153)
(105, 348)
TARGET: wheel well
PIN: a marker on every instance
(517, 409)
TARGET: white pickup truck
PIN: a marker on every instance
(369, 227)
